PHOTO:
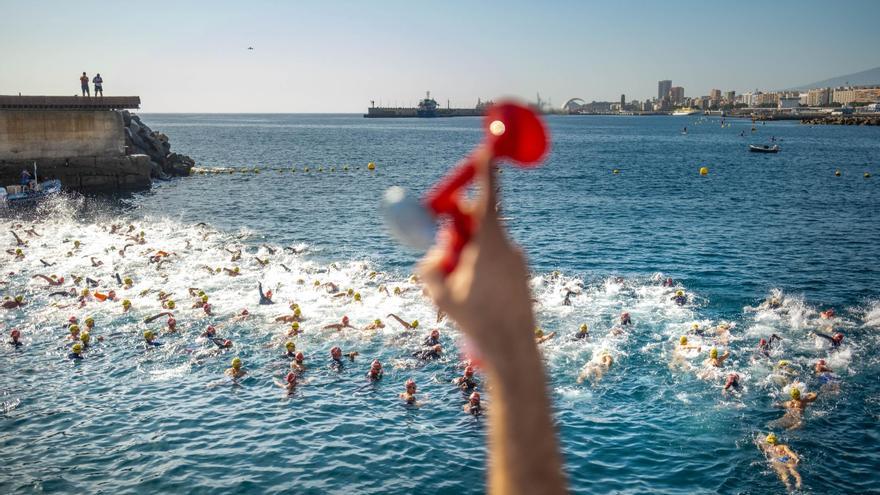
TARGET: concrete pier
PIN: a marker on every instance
(81, 141)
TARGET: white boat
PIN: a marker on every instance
(685, 111)
(33, 192)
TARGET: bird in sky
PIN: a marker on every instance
(250, 48)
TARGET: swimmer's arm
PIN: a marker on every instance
(155, 317)
(824, 336)
(400, 320)
(811, 397)
(723, 357)
(333, 326)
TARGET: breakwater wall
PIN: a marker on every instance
(843, 120)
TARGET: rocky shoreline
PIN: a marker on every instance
(843, 120)
(141, 140)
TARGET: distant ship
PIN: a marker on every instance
(685, 111)
(427, 108)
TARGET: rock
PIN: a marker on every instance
(156, 145)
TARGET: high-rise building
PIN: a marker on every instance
(715, 95)
(623, 102)
(730, 96)
(663, 88)
(676, 95)
(818, 97)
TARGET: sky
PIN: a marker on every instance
(337, 56)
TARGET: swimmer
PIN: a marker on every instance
(466, 382)
(233, 272)
(782, 459)
(244, 314)
(95, 262)
(336, 357)
(262, 262)
(331, 287)
(408, 326)
(680, 298)
(765, 346)
(267, 297)
(294, 330)
(783, 373)
(435, 352)
(17, 302)
(292, 318)
(74, 332)
(568, 294)
(208, 309)
(679, 354)
(473, 406)
(222, 343)
(668, 282)
(771, 302)
(595, 370)
(339, 326)
(17, 253)
(376, 325)
(235, 370)
(236, 255)
(290, 347)
(433, 339)
(828, 314)
(732, 384)
(209, 332)
(794, 408)
(375, 372)
(541, 337)
(298, 364)
(625, 318)
(835, 339)
(171, 325)
(289, 383)
(827, 379)
(715, 360)
(15, 337)
(696, 329)
(155, 317)
(18, 240)
(76, 352)
(409, 396)
(583, 332)
(52, 281)
(85, 338)
(150, 339)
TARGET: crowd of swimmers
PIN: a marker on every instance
(79, 339)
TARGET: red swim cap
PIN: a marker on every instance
(211, 329)
(227, 343)
(335, 350)
(72, 319)
(299, 356)
(171, 321)
(244, 312)
(469, 371)
(822, 362)
(410, 383)
(291, 377)
(762, 342)
(838, 336)
(475, 397)
(376, 364)
(15, 333)
(345, 320)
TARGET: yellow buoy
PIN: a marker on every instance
(371, 166)
(256, 170)
(704, 171)
(615, 171)
(867, 174)
(320, 169)
(333, 169)
(837, 172)
(305, 169)
(345, 168)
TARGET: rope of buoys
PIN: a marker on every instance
(704, 170)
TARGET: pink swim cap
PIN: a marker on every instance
(291, 377)
(15, 333)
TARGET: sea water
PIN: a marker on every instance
(130, 419)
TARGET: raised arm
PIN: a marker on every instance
(488, 296)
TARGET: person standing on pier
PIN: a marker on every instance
(84, 84)
(98, 85)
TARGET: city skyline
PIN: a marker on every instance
(337, 57)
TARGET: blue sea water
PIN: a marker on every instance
(164, 420)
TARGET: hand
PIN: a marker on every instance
(487, 294)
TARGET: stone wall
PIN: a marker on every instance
(85, 174)
(47, 134)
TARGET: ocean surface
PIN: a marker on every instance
(128, 419)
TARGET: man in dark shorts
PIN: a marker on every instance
(99, 85)
(84, 83)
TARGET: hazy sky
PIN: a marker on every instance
(328, 56)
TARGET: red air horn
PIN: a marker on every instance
(513, 132)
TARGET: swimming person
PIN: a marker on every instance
(473, 406)
(583, 332)
(375, 372)
(339, 326)
(432, 339)
(765, 346)
(541, 337)
(732, 384)
(150, 339)
(680, 298)
(15, 336)
(826, 377)
(376, 325)
(336, 357)
(467, 381)
(794, 409)
(625, 318)
(715, 360)
(235, 370)
(289, 383)
(409, 394)
(595, 369)
(782, 459)
(298, 364)
(835, 340)
(435, 352)
(290, 348)
(681, 351)
(265, 298)
(407, 325)
(487, 295)
(76, 352)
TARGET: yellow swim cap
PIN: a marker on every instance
(357, 296)
(372, 274)
(77, 348)
(539, 333)
(683, 340)
(317, 283)
(19, 298)
(297, 312)
(90, 322)
(695, 326)
(85, 337)
(85, 292)
(201, 293)
(148, 335)
(350, 292)
(377, 322)
(128, 281)
(74, 328)
(414, 324)
(236, 269)
(397, 290)
(295, 326)
(781, 364)
(795, 393)
(205, 298)
(126, 303)
(583, 327)
(713, 353)
(771, 439)
(679, 293)
(290, 346)
(171, 304)
(236, 363)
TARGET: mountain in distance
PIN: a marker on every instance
(870, 77)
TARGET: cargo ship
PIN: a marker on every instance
(427, 108)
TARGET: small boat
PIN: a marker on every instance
(764, 148)
(33, 192)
